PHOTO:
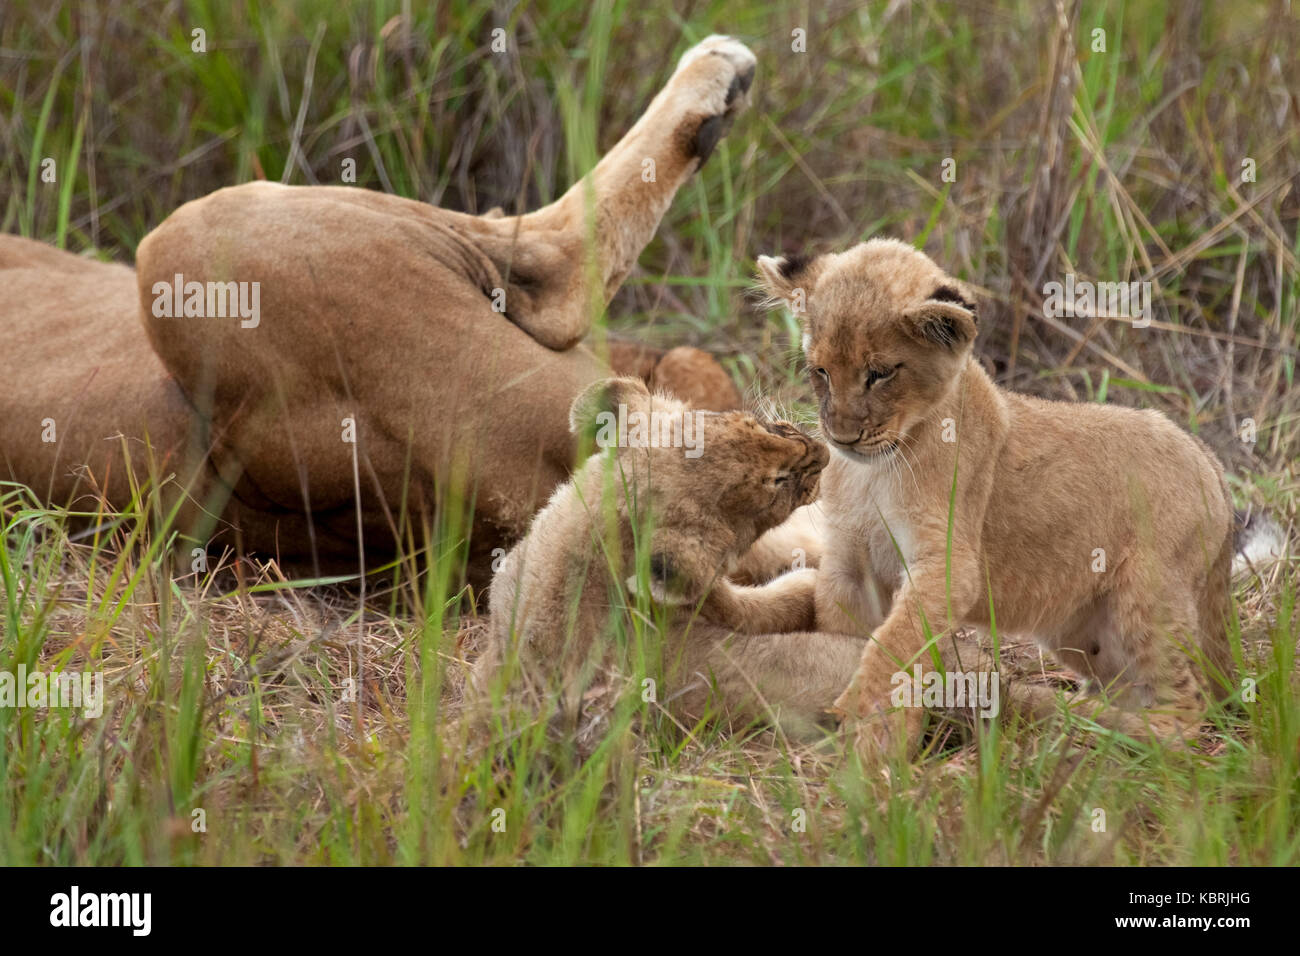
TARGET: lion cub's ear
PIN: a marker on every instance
(789, 279)
(605, 396)
(946, 319)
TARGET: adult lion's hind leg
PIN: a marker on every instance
(630, 189)
(677, 133)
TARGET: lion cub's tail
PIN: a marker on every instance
(1255, 542)
(1258, 541)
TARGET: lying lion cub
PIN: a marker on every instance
(557, 592)
(1102, 531)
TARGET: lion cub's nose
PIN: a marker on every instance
(845, 441)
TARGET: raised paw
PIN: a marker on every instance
(731, 67)
(714, 75)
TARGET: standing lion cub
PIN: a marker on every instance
(1102, 531)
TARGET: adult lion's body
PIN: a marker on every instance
(447, 345)
(78, 371)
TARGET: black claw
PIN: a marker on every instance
(746, 79)
(740, 84)
(707, 136)
(733, 90)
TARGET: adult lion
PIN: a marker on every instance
(301, 343)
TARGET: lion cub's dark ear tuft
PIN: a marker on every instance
(605, 396)
(791, 266)
(946, 293)
(781, 277)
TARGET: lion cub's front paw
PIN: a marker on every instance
(856, 699)
(879, 738)
(716, 74)
(877, 729)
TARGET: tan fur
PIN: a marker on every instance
(791, 546)
(374, 308)
(1038, 486)
(554, 596)
(74, 354)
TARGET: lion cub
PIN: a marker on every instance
(705, 485)
(1103, 532)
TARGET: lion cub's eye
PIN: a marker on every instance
(781, 479)
(822, 374)
(875, 376)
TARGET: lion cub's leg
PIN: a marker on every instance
(790, 679)
(852, 596)
(1141, 652)
(781, 605)
(794, 544)
(920, 607)
(633, 184)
